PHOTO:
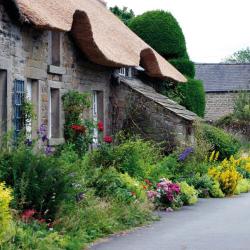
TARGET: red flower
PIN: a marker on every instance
(100, 126)
(145, 187)
(108, 139)
(28, 214)
(148, 182)
(78, 128)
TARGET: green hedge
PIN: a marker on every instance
(162, 32)
(192, 96)
(185, 66)
(223, 142)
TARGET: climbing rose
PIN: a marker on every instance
(108, 139)
(78, 128)
(100, 126)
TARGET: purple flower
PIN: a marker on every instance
(185, 153)
(44, 138)
(48, 150)
(28, 142)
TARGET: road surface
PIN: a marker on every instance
(212, 224)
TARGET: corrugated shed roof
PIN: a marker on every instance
(140, 87)
(224, 77)
(98, 33)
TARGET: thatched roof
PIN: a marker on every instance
(98, 33)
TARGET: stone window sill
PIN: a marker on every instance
(56, 141)
(52, 69)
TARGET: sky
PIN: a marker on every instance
(214, 29)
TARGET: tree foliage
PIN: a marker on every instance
(241, 56)
(124, 14)
(162, 32)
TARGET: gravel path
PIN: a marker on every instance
(212, 224)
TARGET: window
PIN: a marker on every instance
(55, 48)
(19, 93)
(122, 71)
(3, 102)
(54, 113)
(98, 111)
(126, 72)
(32, 92)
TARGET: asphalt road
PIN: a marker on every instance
(212, 224)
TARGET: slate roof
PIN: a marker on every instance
(224, 77)
(140, 87)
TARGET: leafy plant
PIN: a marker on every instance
(124, 14)
(76, 130)
(242, 106)
(185, 66)
(189, 195)
(5, 215)
(221, 141)
(242, 187)
(37, 180)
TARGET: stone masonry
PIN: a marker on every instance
(219, 104)
(25, 55)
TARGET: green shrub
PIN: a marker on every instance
(111, 183)
(185, 66)
(35, 236)
(193, 96)
(242, 106)
(168, 167)
(203, 184)
(215, 190)
(189, 195)
(94, 217)
(5, 215)
(36, 179)
(162, 32)
(134, 157)
(242, 187)
(221, 141)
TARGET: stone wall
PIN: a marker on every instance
(219, 104)
(140, 115)
(25, 54)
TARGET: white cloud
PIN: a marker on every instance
(213, 29)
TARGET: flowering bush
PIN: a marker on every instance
(5, 216)
(227, 175)
(166, 195)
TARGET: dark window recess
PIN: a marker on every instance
(55, 113)
(55, 48)
(19, 94)
(100, 106)
(3, 102)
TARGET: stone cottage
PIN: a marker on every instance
(48, 47)
(222, 83)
